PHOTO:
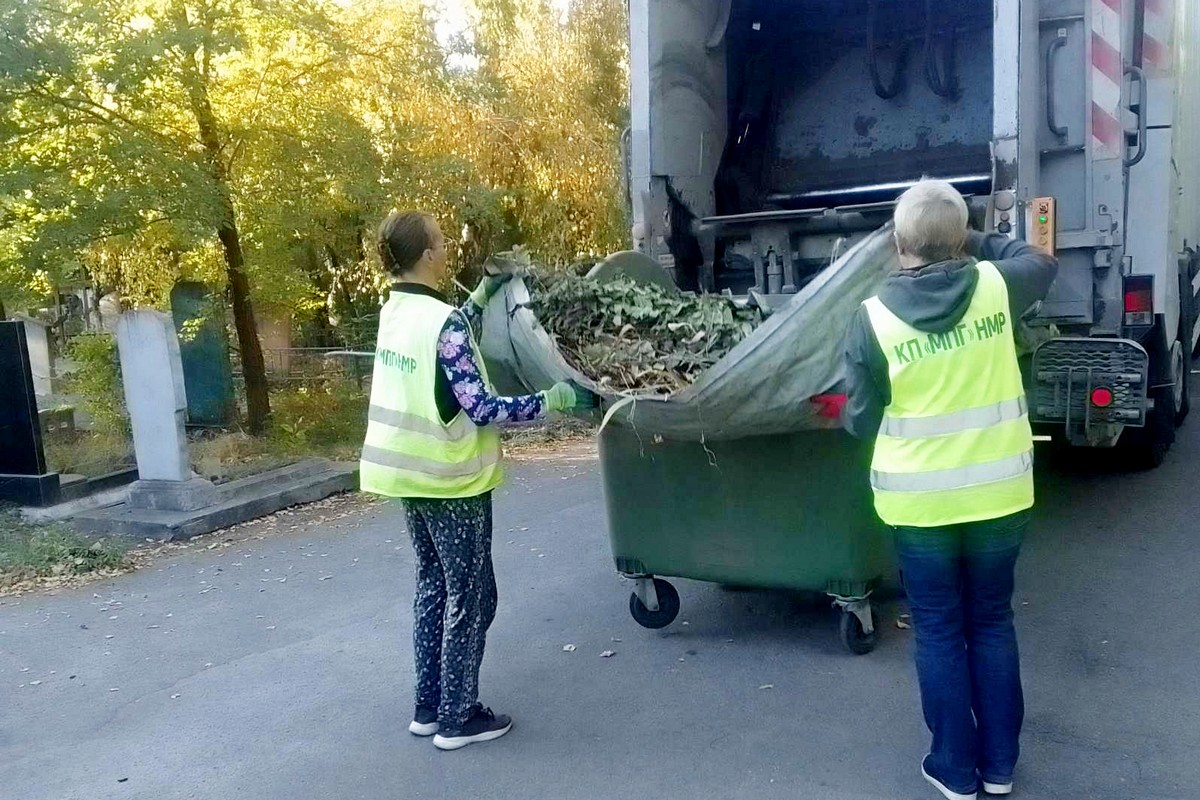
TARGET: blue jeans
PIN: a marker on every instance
(959, 581)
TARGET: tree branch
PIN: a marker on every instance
(236, 150)
(83, 104)
(142, 224)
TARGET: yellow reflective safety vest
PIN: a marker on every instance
(955, 443)
(409, 451)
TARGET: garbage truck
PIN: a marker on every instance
(769, 136)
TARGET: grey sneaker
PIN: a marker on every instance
(424, 722)
(998, 787)
(483, 726)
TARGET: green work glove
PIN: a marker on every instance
(569, 396)
(488, 287)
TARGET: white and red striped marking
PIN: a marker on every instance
(1108, 70)
(1156, 40)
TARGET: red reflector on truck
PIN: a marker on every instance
(1102, 398)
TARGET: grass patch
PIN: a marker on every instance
(328, 419)
(29, 552)
(322, 420)
(88, 453)
(224, 457)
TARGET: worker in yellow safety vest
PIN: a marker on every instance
(431, 443)
(933, 378)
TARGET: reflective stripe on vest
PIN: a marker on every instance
(954, 444)
(955, 477)
(409, 451)
(955, 421)
(454, 432)
(428, 466)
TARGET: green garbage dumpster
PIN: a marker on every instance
(789, 511)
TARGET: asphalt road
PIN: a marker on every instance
(207, 675)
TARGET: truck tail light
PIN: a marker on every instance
(1139, 300)
(1102, 397)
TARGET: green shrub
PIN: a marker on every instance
(89, 453)
(30, 551)
(96, 381)
(328, 418)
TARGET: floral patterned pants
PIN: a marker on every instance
(455, 601)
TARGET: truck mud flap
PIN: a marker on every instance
(1067, 372)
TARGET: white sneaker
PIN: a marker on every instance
(997, 788)
(483, 726)
(946, 791)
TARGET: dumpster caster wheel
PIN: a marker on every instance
(668, 606)
(851, 631)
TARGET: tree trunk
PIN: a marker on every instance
(258, 403)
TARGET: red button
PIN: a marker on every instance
(1102, 398)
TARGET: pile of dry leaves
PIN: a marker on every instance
(636, 338)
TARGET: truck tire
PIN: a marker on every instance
(1187, 324)
(1172, 402)
(1190, 311)
(1182, 392)
(1155, 440)
(1149, 445)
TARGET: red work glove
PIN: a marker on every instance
(829, 406)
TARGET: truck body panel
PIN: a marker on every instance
(769, 136)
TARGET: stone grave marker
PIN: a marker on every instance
(152, 374)
(23, 475)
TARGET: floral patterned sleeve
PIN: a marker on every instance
(472, 313)
(458, 361)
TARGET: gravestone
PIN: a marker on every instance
(23, 475)
(169, 501)
(37, 344)
(207, 375)
(152, 374)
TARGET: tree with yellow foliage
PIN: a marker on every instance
(254, 145)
